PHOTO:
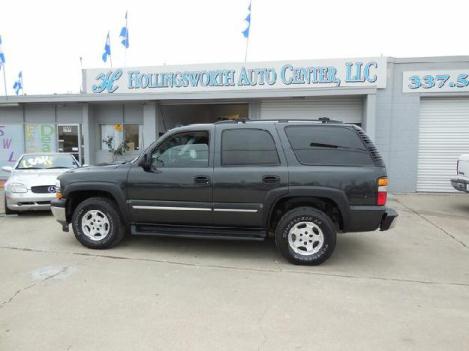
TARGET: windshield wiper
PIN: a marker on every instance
(57, 167)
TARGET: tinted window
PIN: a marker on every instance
(327, 145)
(241, 147)
(183, 150)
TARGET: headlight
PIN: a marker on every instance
(17, 188)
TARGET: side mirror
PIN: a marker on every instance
(7, 169)
(144, 162)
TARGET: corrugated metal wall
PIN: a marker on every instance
(346, 109)
(443, 136)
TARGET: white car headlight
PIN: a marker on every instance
(17, 188)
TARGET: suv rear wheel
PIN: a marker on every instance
(97, 224)
(305, 235)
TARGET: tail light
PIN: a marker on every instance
(382, 191)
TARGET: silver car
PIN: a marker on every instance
(32, 183)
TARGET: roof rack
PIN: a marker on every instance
(328, 120)
(322, 120)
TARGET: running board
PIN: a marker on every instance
(227, 233)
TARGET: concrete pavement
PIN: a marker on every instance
(405, 289)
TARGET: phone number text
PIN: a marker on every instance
(438, 81)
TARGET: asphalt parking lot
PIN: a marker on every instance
(405, 289)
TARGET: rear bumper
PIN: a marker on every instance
(460, 184)
(388, 220)
(370, 218)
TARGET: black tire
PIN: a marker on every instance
(107, 207)
(7, 210)
(306, 214)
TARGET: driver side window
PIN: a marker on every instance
(182, 150)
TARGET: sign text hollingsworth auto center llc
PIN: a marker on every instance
(370, 72)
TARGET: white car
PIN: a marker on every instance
(461, 182)
(32, 182)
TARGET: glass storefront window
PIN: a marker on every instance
(40, 137)
(115, 134)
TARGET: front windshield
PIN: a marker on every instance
(47, 162)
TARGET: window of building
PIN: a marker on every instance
(243, 147)
(114, 134)
(327, 145)
(182, 150)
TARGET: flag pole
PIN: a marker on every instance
(127, 28)
(125, 58)
(248, 30)
(81, 73)
(22, 84)
(110, 50)
(5, 80)
(246, 52)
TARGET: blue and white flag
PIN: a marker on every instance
(107, 48)
(18, 83)
(124, 36)
(248, 20)
(2, 55)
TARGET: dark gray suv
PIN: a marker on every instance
(299, 182)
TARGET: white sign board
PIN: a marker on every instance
(361, 72)
(441, 81)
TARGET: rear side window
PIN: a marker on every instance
(327, 145)
(243, 147)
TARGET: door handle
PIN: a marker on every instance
(201, 180)
(270, 179)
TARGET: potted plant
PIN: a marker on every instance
(118, 151)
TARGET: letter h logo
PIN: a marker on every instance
(106, 82)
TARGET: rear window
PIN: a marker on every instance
(327, 145)
(244, 147)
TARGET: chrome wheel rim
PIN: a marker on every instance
(305, 238)
(95, 225)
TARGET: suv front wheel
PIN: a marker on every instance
(97, 224)
(305, 235)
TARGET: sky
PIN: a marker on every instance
(45, 39)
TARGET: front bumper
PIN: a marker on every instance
(28, 201)
(388, 220)
(59, 210)
(460, 184)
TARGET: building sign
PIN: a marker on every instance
(11, 145)
(443, 81)
(40, 137)
(369, 72)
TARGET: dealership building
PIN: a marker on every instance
(415, 109)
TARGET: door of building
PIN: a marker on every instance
(443, 136)
(69, 140)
